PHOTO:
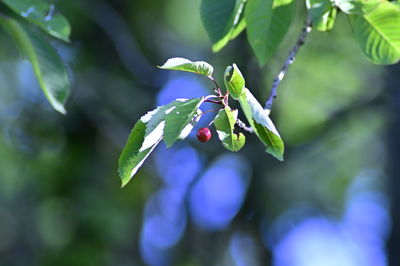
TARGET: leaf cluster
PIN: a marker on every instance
(176, 120)
(375, 24)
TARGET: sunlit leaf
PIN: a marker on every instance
(182, 64)
(277, 3)
(234, 81)
(47, 64)
(237, 28)
(316, 8)
(133, 155)
(150, 130)
(157, 116)
(282, 17)
(328, 20)
(267, 25)
(378, 33)
(145, 136)
(258, 14)
(188, 128)
(222, 20)
(225, 124)
(322, 14)
(357, 7)
(262, 124)
(43, 14)
(178, 117)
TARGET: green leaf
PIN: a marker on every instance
(144, 137)
(157, 116)
(267, 26)
(47, 64)
(234, 81)
(188, 128)
(282, 3)
(182, 64)
(135, 153)
(272, 140)
(282, 17)
(258, 14)
(322, 14)
(222, 20)
(316, 8)
(217, 18)
(237, 28)
(327, 21)
(42, 14)
(262, 124)
(378, 33)
(225, 124)
(357, 7)
(178, 117)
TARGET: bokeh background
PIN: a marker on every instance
(334, 201)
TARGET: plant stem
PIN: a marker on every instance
(215, 83)
(243, 126)
(209, 111)
(212, 101)
(292, 56)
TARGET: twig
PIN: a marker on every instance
(243, 126)
(209, 111)
(292, 56)
(212, 101)
(215, 82)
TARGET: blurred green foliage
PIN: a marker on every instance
(60, 196)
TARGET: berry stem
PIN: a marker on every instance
(208, 111)
(215, 83)
(212, 101)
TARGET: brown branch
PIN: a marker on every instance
(292, 56)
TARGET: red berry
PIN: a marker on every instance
(203, 134)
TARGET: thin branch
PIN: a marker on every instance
(243, 126)
(212, 101)
(215, 82)
(292, 56)
(209, 111)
